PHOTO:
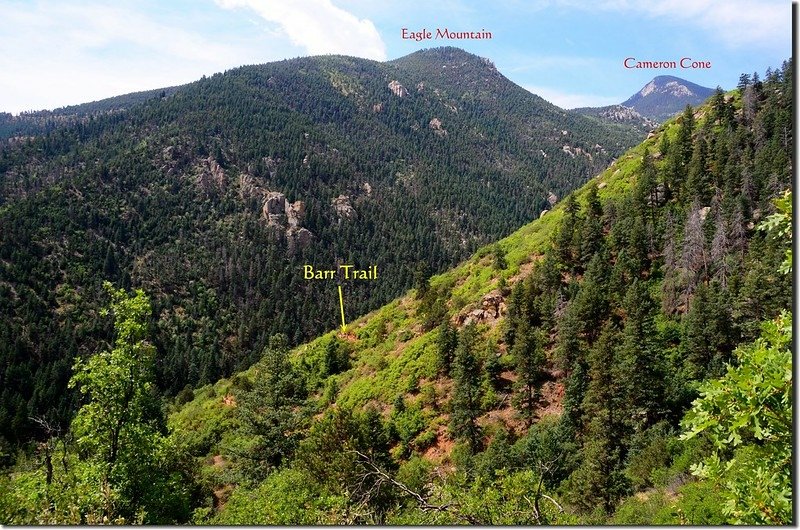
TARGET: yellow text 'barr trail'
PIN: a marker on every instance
(347, 272)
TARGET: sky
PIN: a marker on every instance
(55, 53)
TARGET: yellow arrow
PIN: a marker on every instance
(341, 306)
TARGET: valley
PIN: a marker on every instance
(551, 315)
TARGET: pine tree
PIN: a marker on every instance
(566, 237)
(446, 343)
(465, 404)
(600, 480)
(592, 230)
(645, 194)
(529, 358)
(640, 364)
(422, 275)
(335, 358)
(592, 301)
(698, 180)
(570, 347)
(270, 412)
(744, 82)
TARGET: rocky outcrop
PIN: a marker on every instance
(282, 212)
(436, 126)
(492, 307)
(272, 166)
(343, 208)
(248, 187)
(628, 115)
(287, 218)
(295, 213)
(397, 89)
(298, 238)
(552, 198)
(274, 204)
(210, 175)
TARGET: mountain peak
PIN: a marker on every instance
(443, 53)
(445, 57)
(666, 95)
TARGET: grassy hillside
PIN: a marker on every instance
(577, 371)
(394, 374)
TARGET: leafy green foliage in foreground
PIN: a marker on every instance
(116, 463)
(747, 414)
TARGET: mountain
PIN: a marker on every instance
(579, 339)
(543, 380)
(665, 96)
(618, 114)
(660, 99)
(213, 197)
(39, 122)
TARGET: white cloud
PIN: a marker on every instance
(567, 100)
(54, 54)
(318, 26)
(737, 23)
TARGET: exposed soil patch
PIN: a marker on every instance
(221, 495)
(507, 416)
(441, 448)
(552, 401)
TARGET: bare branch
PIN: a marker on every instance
(551, 499)
(423, 504)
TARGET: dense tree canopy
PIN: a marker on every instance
(627, 361)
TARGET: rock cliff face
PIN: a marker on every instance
(210, 175)
(274, 204)
(492, 307)
(622, 114)
(287, 218)
(397, 89)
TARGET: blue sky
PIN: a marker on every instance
(571, 52)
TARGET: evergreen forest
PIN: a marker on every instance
(623, 358)
(211, 197)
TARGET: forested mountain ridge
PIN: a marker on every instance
(625, 116)
(214, 196)
(34, 123)
(603, 364)
(545, 380)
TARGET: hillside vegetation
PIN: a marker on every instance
(593, 367)
(212, 196)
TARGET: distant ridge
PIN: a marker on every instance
(665, 96)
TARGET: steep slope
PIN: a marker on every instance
(665, 96)
(214, 198)
(593, 327)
